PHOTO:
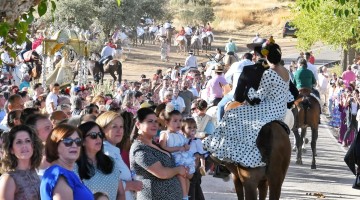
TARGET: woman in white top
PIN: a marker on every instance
(113, 127)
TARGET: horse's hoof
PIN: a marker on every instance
(299, 162)
(313, 166)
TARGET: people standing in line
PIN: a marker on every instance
(22, 153)
(152, 163)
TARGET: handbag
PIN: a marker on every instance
(356, 184)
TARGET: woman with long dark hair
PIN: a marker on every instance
(245, 122)
(97, 170)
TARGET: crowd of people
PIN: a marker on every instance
(146, 140)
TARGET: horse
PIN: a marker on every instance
(207, 40)
(275, 148)
(169, 34)
(94, 68)
(229, 60)
(306, 114)
(195, 44)
(188, 42)
(181, 45)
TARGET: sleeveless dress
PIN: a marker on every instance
(235, 137)
(27, 184)
(185, 158)
(51, 177)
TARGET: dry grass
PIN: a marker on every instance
(236, 14)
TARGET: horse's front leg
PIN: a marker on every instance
(314, 137)
(263, 189)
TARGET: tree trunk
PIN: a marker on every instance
(344, 59)
(351, 55)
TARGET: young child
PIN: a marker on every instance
(172, 140)
(189, 129)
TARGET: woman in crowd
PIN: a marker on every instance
(14, 118)
(113, 127)
(76, 106)
(128, 101)
(22, 153)
(152, 164)
(97, 170)
(336, 99)
(92, 109)
(125, 143)
(98, 100)
(62, 149)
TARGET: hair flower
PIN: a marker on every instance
(264, 52)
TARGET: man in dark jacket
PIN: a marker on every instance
(251, 76)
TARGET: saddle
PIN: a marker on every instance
(305, 93)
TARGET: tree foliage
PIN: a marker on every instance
(204, 14)
(333, 22)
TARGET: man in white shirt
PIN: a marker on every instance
(314, 70)
(165, 85)
(188, 30)
(232, 77)
(190, 62)
(107, 54)
(51, 102)
(7, 61)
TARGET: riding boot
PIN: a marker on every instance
(356, 184)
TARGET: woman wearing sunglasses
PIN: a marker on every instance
(59, 181)
(22, 153)
(113, 125)
(97, 170)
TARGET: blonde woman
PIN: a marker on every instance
(113, 126)
(98, 100)
(128, 103)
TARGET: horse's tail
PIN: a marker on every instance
(119, 71)
(306, 105)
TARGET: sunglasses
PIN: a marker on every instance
(94, 135)
(68, 142)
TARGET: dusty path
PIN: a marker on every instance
(146, 59)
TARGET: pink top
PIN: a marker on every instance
(214, 87)
(348, 76)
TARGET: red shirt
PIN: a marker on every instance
(312, 59)
(111, 45)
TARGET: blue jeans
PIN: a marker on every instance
(221, 106)
(185, 69)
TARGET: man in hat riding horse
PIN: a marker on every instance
(107, 54)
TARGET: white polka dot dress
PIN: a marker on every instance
(235, 137)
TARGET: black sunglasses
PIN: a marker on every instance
(68, 142)
(94, 135)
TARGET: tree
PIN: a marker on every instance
(327, 21)
(204, 14)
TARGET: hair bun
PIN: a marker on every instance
(169, 107)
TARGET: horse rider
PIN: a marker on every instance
(208, 30)
(304, 79)
(251, 76)
(231, 48)
(256, 37)
(181, 35)
(314, 70)
(188, 30)
(232, 76)
(26, 46)
(107, 54)
(190, 62)
(167, 25)
(7, 62)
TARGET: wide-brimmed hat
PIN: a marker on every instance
(219, 68)
(191, 52)
(256, 43)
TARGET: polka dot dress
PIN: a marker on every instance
(235, 137)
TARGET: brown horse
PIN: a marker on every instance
(94, 68)
(306, 114)
(181, 46)
(34, 63)
(275, 148)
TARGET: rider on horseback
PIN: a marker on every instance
(304, 79)
(107, 54)
(230, 47)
